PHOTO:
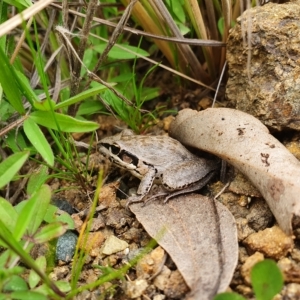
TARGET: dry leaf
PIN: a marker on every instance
(201, 237)
(245, 142)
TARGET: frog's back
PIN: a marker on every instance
(156, 150)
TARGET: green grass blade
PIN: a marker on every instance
(37, 179)
(21, 4)
(38, 140)
(82, 96)
(8, 80)
(33, 213)
(117, 53)
(66, 123)
(10, 166)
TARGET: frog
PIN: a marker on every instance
(159, 160)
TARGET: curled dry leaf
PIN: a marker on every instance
(246, 143)
(201, 237)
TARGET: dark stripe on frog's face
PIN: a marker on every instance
(121, 157)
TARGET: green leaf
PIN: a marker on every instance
(118, 53)
(52, 216)
(28, 295)
(63, 286)
(65, 218)
(38, 140)
(50, 232)
(19, 3)
(17, 270)
(37, 179)
(34, 278)
(8, 214)
(6, 110)
(9, 82)
(82, 96)
(176, 8)
(66, 123)
(229, 296)
(16, 283)
(33, 212)
(44, 105)
(89, 107)
(266, 279)
(17, 142)
(10, 166)
(17, 248)
(26, 89)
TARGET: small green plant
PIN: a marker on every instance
(31, 222)
(266, 279)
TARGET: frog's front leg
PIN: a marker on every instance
(144, 187)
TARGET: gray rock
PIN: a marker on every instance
(269, 87)
(65, 247)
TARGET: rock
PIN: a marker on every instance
(133, 234)
(248, 265)
(176, 286)
(97, 223)
(113, 245)
(117, 218)
(294, 146)
(230, 200)
(295, 254)
(64, 205)
(244, 230)
(260, 215)
(244, 290)
(93, 243)
(272, 242)
(291, 291)
(290, 270)
(242, 186)
(59, 273)
(162, 278)
(269, 87)
(151, 263)
(65, 247)
(135, 289)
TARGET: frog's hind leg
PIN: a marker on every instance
(192, 188)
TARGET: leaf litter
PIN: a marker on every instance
(199, 234)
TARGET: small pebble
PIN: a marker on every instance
(151, 263)
(248, 265)
(272, 242)
(65, 247)
(291, 291)
(113, 245)
(135, 289)
(290, 270)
